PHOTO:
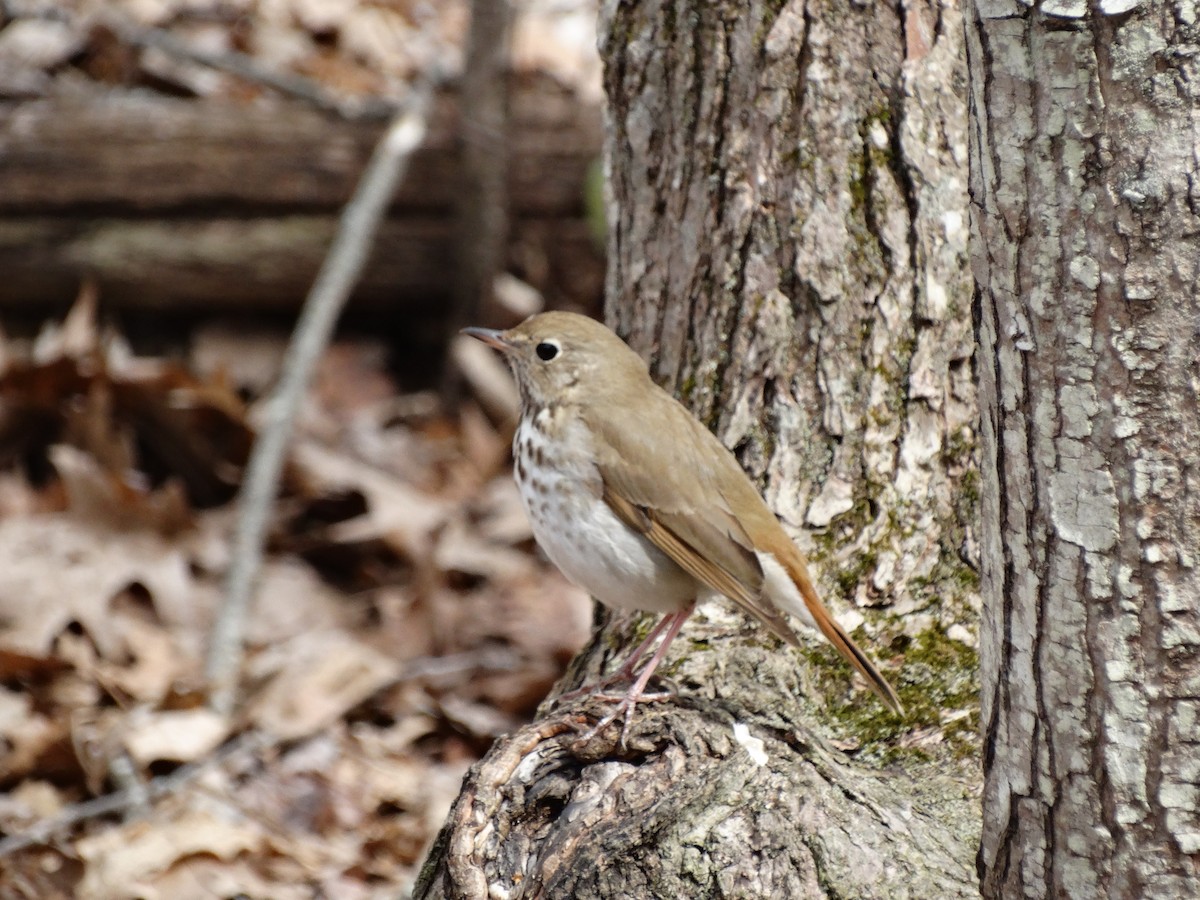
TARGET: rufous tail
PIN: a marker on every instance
(838, 637)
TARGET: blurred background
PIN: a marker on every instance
(171, 176)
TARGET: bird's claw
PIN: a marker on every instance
(624, 709)
(596, 689)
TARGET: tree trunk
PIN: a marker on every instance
(1087, 258)
(787, 245)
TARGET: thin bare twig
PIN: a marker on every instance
(247, 68)
(144, 794)
(240, 65)
(339, 273)
(130, 797)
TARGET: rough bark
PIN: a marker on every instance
(788, 239)
(1087, 257)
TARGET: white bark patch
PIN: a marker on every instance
(935, 304)
(1125, 752)
(1079, 405)
(962, 635)
(754, 746)
(1083, 501)
(1179, 792)
(921, 444)
(1065, 9)
(1086, 271)
(927, 371)
(952, 224)
(836, 497)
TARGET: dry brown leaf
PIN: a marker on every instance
(38, 43)
(375, 36)
(397, 513)
(319, 16)
(542, 615)
(352, 377)
(26, 668)
(247, 358)
(477, 719)
(395, 740)
(151, 12)
(142, 420)
(17, 497)
(560, 39)
(30, 802)
(461, 549)
(122, 861)
(182, 736)
(405, 627)
(184, 75)
(485, 447)
(315, 678)
(95, 741)
(387, 799)
(55, 570)
(290, 601)
(488, 378)
(205, 878)
(108, 500)
(76, 336)
(18, 79)
(381, 439)
(27, 734)
(153, 666)
(518, 299)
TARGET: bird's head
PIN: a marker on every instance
(562, 357)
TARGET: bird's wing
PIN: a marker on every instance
(685, 509)
(695, 526)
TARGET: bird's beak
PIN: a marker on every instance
(489, 336)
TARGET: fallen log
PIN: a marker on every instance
(181, 203)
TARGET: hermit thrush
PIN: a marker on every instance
(638, 503)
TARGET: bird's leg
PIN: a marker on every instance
(627, 704)
(625, 670)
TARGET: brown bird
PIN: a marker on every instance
(639, 504)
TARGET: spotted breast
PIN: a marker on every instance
(561, 490)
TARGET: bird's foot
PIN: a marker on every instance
(619, 699)
(670, 624)
(668, 628)
(624, 673)
(625, 705)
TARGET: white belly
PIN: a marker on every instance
(584, 538)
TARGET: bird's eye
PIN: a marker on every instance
(546, 350)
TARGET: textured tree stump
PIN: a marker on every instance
(695, 808)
